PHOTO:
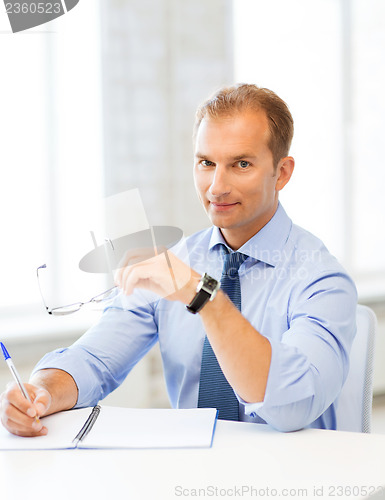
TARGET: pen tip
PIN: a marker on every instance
(5, 352)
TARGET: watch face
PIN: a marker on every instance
(209, 282)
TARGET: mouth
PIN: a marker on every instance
(223, 207)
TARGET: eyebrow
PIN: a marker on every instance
(245, 155)
(233, 158)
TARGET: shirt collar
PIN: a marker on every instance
(267, 244)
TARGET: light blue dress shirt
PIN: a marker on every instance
(294, 292)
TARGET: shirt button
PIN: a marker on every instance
(253, 414)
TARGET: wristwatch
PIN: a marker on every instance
(206, 290)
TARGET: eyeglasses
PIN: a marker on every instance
(72, 308)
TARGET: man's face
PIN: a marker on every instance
(234, 174)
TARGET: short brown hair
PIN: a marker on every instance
(241, 97)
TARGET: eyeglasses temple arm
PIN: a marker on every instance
(44, 266)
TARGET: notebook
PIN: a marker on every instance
(107, 427)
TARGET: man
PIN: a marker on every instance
(281, 333)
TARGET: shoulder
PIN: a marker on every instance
(195, 244)
(314, 266)
(200, 237)
(306, 248)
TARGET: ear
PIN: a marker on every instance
(284, 171)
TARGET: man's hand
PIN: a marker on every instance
(17, 414)
(51, 390)
(163, 274)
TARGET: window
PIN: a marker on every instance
(51, 158)
(324, 58)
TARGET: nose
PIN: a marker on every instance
(220, 185)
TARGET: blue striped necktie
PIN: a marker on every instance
(214, 390)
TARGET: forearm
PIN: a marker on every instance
(60, 385)
(242, 352)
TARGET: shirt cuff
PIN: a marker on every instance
(283, 387)
(250, 409)
(65, 359)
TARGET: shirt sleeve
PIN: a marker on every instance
(102, 358)
(310, 362)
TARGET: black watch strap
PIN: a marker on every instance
(206, 290)
(198, 301)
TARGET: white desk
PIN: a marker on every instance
(305, 464)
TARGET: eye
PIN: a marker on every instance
(243, 164)
(207, 163)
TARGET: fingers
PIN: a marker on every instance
(41, 401)
(132, 257)
(164, 275)
(138, 277)
(153, 275)
(18, 415)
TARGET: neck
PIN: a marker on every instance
(237, 236)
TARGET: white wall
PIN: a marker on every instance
(160, 60)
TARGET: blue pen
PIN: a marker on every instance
(16, 376)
